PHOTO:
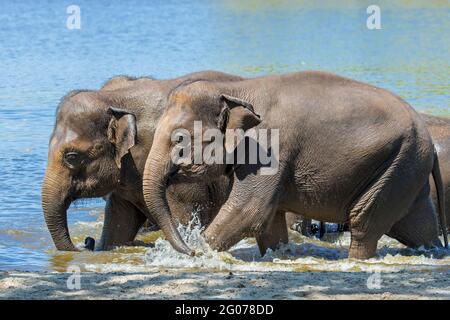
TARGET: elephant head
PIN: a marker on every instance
(188, 105)
(88, 144)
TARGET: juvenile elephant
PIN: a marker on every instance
(348, 151)
(99, 146)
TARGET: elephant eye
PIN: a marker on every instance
(72, 158)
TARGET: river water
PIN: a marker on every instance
(40, 60)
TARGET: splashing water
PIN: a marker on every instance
(301, 254)
(163, 255)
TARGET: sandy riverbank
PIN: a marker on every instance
(223, 285)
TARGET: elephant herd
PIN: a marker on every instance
(346, 152)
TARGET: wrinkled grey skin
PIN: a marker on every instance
(439, 128)
(98, 148)
(348, 152)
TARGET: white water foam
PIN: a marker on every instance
(301, 254)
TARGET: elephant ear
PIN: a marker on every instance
(237, 114)
(122, 132)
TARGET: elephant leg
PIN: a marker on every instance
(445, 177)
(382, 203)
(242, 217)
(322, 229)
(292, 220)
(122, 222)
(420, 227)
(274, 234)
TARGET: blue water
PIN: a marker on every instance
(40, 60)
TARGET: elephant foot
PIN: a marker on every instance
(216, 241)
(362, 249)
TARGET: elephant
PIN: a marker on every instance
(348, 151)
(439, 128)
(99, 147)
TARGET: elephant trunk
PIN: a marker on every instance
(55, 204)
(155, 177)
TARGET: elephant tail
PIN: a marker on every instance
(440, 197)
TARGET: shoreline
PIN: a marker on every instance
(173, 284)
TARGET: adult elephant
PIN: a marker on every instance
(348, 151)
(99, 147)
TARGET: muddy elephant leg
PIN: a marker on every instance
(420, 227)
(122, 222)
(274, 234)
